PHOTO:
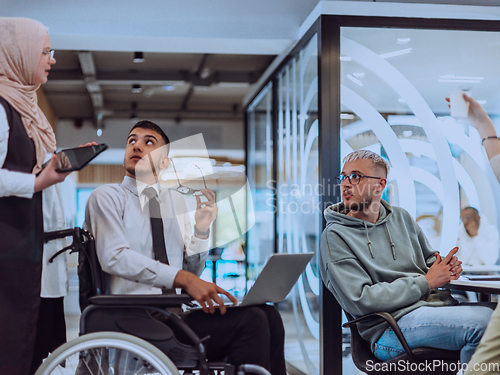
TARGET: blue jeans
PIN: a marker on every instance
(458, 327)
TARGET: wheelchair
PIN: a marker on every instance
(118, 336)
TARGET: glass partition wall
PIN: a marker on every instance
(374, 83)
(393, 88)
(297, 197)
(282, 162)
(260, 172)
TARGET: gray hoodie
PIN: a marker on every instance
(377, 267)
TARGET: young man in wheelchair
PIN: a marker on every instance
(376, 258)
(141, 255)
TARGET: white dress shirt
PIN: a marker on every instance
(55, 274)
(482, 249)
(124, 243)
(12, 182)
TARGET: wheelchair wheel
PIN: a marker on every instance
(107, 353)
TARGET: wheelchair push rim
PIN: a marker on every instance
(66, 358)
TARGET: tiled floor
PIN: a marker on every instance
(293, 350)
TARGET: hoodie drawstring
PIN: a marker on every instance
(370, 243)
(368, 240)
(390, 239)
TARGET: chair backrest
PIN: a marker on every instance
(361, 352)
(90, 275)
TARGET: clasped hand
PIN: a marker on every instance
(444, 269)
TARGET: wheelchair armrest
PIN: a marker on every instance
(392, 323)
(168, 300)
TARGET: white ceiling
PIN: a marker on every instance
(193, 26)
(435, 56)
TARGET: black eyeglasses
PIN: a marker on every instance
(185, 189)
(353, 178)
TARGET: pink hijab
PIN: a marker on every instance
(21, 45)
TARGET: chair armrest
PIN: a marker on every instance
(392, 323)
(168, 300)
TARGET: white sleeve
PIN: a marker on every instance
(487, 244)
(495, 165)
(11, 182)
(193, 244)
(196, 250)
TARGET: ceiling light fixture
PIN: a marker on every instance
(404, 40)
(136, 89)
(407, 133)
(205, 73)
(396, 53)
(169, 87)
(355, 80)
(99, 117)
(459, 79)
(138, 57)
(358, 74)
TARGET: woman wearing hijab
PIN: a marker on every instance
(25, 139)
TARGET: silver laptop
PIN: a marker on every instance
(277, 278)
(275, 281)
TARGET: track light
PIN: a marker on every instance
(138, 57)
(136, 89)
(100, 125)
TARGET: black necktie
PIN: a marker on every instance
(159, 248)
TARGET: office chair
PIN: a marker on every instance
(413, 361)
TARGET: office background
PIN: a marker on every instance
(281, 91)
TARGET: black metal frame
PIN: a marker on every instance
(329, 165)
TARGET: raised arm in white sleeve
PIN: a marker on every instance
(196, 249)
(495, 165)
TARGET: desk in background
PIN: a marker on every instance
(485, 285)
(477, 269)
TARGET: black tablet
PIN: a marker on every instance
(74, 159)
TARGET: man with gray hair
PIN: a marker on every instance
(376, 258)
